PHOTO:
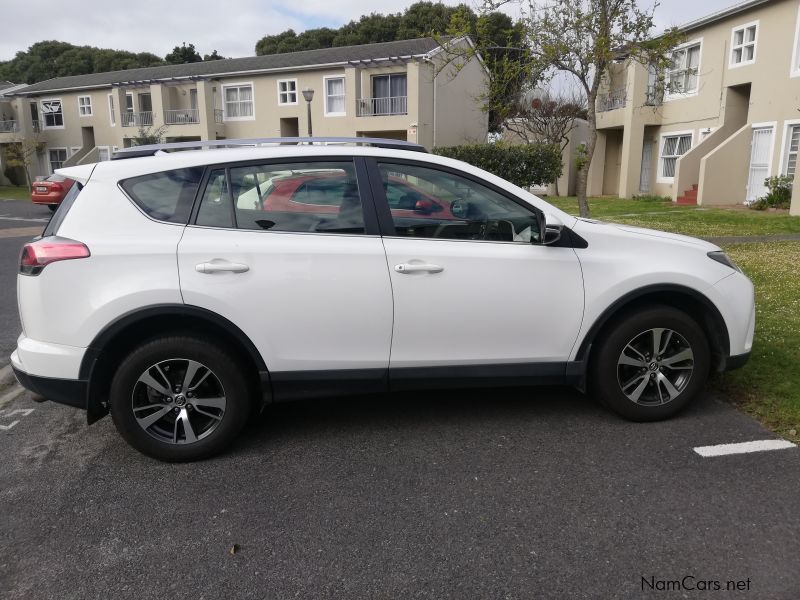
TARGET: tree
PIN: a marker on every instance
(22, 152)
(583, 38)
(213, 56)
(547, 118)
(146, 136)
(183, 54)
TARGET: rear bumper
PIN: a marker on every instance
(64, 391)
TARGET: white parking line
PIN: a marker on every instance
(743, 447)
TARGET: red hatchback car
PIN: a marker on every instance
(51, 191)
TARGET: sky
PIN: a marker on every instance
(231, 27)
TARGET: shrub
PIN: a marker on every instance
(524, 165)
(779, 195)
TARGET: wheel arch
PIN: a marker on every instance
(118, 338)
(694, 303)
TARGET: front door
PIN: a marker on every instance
(282, 251)
(471, 285)
(760, 152)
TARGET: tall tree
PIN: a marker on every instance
(183, 54)
(213, 56)
(582, 38)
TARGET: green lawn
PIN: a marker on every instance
(11, 192)
(689, 220)
(768, 387)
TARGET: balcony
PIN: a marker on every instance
(654, 96)
(218, 116)
(182, 116)
(611, 100)
(9, 126)
(137, 119)
(378, 107)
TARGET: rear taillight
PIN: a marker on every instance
(37, 255)
(56, 187)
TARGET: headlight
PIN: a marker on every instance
(723, 259)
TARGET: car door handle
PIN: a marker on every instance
(406, 268)
(221, 267)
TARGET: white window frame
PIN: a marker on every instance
(81, 107)
(239, 84)
(344, 95)
(50, 163)
(296, 92)
(659, 177)
(43, 121)
(672, 95)
(785, 141)
(112, 116)
(794, 67)
(744, 44)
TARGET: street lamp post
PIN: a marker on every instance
(308, 94)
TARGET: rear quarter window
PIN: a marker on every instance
(166, 196)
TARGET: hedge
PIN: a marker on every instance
(524, 165)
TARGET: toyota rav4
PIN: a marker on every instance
(182, 291)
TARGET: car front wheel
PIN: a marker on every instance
(179, 399)
(650, 363)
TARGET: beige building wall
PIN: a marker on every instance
(764, 93)
(444, 109)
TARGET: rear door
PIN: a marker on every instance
(310, 288)
(470, 287)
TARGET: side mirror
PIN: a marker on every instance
(552, 233)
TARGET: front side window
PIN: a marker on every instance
(314, 197)
(429, 203)
(334, 96)
(287, 91)
(793, 143)
(238, 101)
(683, 72)
(52, 113)
(743, 44)
(85, 106)
(672, 148)
(56, 156)
(166, 196)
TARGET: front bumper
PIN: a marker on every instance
(72, 392)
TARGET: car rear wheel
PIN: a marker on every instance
(179, 399)
(52, 207)
(650, 363)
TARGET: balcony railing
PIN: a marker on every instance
(611, 101)
(137, 119)
(218, 115)
(375, 107)
(9, 127)
(183, 116)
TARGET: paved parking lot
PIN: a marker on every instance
(513, 493)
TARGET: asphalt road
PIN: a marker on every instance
(507, 494)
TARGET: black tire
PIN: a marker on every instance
(52, 207)
(225, 380)
(608, 376)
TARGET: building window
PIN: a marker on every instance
(672, 148)
(238, 101)
(743, 44)
(389, 94)
(334, 96)
(85, 106)
(52, 113)
(56, 156)
(287, 91)
(683, 72)
(792, 144)
(111, 116)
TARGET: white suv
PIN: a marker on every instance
(183, 290)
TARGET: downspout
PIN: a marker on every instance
(433, 111)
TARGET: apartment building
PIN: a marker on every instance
(399, 90)
(727, 116)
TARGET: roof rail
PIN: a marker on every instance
(152, 149)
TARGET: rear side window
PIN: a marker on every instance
(165, 196)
